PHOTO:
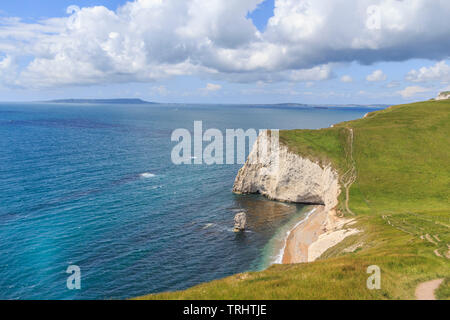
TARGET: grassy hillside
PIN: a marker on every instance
(401, 201)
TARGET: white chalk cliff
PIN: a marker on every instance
(275, 172)
(443, 96)
(286, 176)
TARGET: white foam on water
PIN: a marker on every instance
(279, 256)
(208, 225)
(146, 175)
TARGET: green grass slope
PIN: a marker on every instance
(401, 201)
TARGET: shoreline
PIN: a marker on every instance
(315, 234)
(302, 236)
(279, 257)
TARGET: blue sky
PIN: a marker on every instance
(223, 52)
(32, 9)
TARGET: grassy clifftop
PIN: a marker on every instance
(401, 201)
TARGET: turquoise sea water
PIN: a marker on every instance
(94, 186)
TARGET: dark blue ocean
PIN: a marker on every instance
(94, 186)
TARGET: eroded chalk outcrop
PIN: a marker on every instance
(285, 176)
(443, 96)
(279, 174)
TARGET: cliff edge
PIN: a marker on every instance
(443, 96)
(284, 176)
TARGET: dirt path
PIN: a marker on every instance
(431, 240)
(352, 173)
(425, 290)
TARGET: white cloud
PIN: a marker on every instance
(160, 90)
(346, 79)
(377, 75)
(8, 70)
(72, 9)
(413, 91)
(376, 95)
(146, 40)
(5, 63)
(318, 73)
(439, 72)
(393, 84)
(447, 88)
(212, 87)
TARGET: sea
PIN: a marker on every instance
(93, 186)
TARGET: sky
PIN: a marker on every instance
(234, 51)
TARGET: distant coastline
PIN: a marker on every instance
(138, 101)
(102, 101)
(256, 105)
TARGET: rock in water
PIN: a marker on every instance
(240, 222)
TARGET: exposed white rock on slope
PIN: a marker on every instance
(287, 177)
(443, 96)
(335, 230)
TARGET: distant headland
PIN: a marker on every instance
(100, 101)
(271, 105)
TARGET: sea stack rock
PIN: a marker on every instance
(240, 222)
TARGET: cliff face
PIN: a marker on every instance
(285, 176)
(443, 96)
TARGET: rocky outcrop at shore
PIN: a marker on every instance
(285, 176)
(240, 222)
